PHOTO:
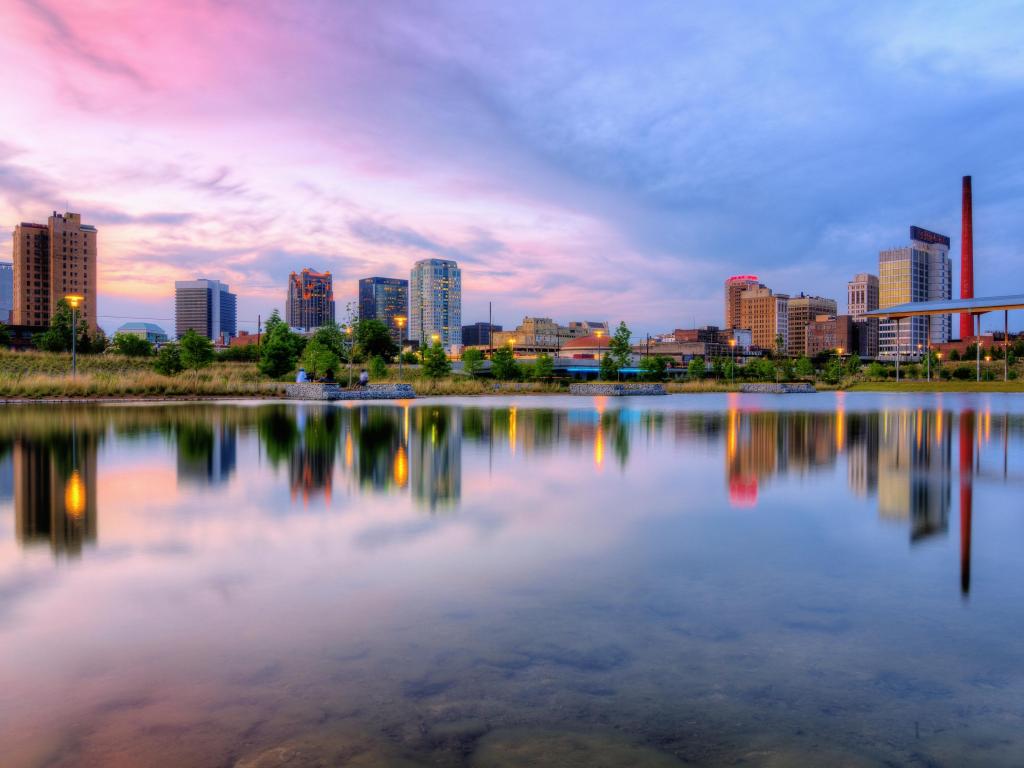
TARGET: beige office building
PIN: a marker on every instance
(542, 334)
(734, 288)
(51, 261)
(766, 316)
(802, 310)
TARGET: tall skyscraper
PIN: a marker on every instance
(206, 307)
(52, 261)
(802, 311)
(921, 271)
(385, 299)
(435, 302)
(6, 291)
(310, 301)
(766, 316)
(734, 288)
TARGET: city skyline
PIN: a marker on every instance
(556, 169)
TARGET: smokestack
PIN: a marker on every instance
(966, 259)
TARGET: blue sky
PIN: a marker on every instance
(580, 160)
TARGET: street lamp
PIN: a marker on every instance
(400, 322)
(732, 346)
(599, 334)
(74, 300)
(348, 332)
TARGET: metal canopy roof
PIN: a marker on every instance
(951, 306)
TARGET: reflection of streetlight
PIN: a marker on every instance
(74, 495)
(400, 322)
(74, 301)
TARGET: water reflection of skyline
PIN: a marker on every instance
(902, 459)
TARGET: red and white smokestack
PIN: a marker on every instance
(966, 259)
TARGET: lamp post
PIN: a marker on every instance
(598, 334)
(351, 345)
(732, 371)
(74, 300)
(400, 322)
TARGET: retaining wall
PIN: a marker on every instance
(314, 391)
(616, 390)
(779, 389)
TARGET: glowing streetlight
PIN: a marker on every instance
(348, 332)
(400, 322)
(74, 301)
(732, 347)
(599, 334)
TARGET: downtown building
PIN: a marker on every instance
(861, 298)
(51, 261)
(478, 334)
(435, 303)
(766, 316)
(310, 301)
(921, 271)
(385, 299)
(734, 288)
(6, 291)
(536, 335)
(206, 307)
(802, 311)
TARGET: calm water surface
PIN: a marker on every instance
(689, 580)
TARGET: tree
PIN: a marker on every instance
(5, 336)
(131, 345)
(804, 368)
(760, 369)
(954, 356)
(833, 372)
(435, 362)
(608, 369)
(378, 368)
(280, 350)
(695, 369)
(472, 361)
(333, 338)
(780, 346)
(168, 360)
(196, 351)
(876, 370)
(618, 346)
(853, 365)
(544, 367)
(653, 367)
(319, 359)
(57, 338)
(784, 369)
(503, 364)
(374, 339)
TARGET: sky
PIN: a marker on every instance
(580, 160)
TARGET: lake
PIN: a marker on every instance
(830, 579)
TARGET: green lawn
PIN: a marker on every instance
(938, 386)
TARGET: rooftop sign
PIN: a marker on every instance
(738, 278)
(927, 236)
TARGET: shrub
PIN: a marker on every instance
(378, 368)
(963, 372)
(503, 365)
(472, 361)
(130, 345)
(168, 360)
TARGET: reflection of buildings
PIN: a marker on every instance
(435, 452)
(55, 492)
(206, 452)
(914, 473)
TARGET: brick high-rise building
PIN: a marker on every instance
(766, 316)
(861, 295)
(51, 261)
(310, 302)
(802, 310)
(734, 288)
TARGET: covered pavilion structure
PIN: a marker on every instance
(974, 307)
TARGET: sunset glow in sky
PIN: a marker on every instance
(598, 160)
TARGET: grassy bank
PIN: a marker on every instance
(938, 386)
